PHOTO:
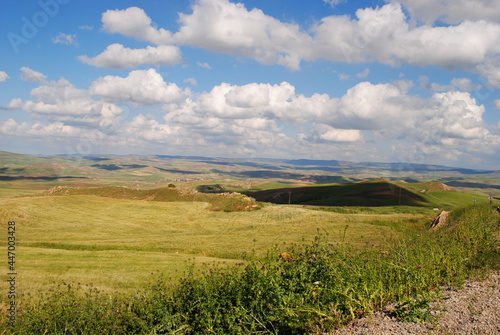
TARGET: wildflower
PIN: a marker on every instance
(419, 267)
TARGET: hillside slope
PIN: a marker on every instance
(378, 192)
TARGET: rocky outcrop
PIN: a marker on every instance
(440, 220)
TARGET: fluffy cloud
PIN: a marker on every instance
(239, 102)
(191, 81)
(28, 74)
(148, 129)
(222, 26)
(490, 70)
(363, 74)
(377, 34)
(60, 101)
(330, 134)
(385, 110)
(134, 22)
(204, 65)
(333, 3)
(56, 130)
(140, 86)
(3, 76)
(116, 56)
(372, 107)
(385, 35)
(56, 91)
(262, 118)
(453, 11)
(460, 84)
(458, 116)
(65, 39)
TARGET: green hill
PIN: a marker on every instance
(371, 193)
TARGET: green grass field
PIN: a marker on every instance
(367, 241)
(116, 243)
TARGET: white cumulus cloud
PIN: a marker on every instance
(363, 74)
(222, 26)
(333, 3)
(453, 11)
(330, 134)
(204, 65)
(116, 56)
(140, 86)
(134, 22)
(28, 74)
(3, 76)
(66, 39)
(386, 35)
(60, 101)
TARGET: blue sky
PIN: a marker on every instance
(389, 81)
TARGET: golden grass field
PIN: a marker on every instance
(116, 244)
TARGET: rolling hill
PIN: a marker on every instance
(372, 193)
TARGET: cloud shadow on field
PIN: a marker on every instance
(41, 178)
(178, 171)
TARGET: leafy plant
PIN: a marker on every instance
(415, 309)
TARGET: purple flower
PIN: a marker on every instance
(419, 267)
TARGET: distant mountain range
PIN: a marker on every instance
(348, 167)
(145, 170)
(334, 165)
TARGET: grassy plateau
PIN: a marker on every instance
(95, 257)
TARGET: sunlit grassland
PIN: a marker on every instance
(116, 244)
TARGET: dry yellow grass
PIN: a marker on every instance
(117, 244)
